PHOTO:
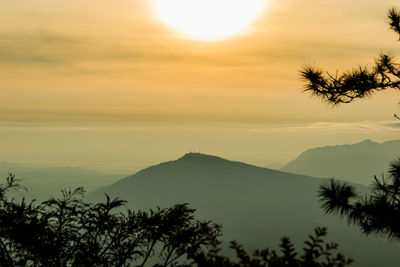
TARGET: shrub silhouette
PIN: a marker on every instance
(316, 253)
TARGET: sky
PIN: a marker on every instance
(108, 85)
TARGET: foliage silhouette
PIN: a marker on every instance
(380, 211)
(67, 231)
(376, 213)
(316, 253)
(360, 82)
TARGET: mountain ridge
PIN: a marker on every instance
(255, 205)
(193, 159)
(357, 163)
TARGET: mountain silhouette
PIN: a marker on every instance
(255, 205)
(357, 163)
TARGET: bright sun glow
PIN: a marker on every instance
(209, 20)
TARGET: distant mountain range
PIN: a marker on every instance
(43, 181)
(357, 163)
(255, 205)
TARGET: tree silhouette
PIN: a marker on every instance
(380, 211)
(68, 231)
(360, 82)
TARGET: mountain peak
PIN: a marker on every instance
(367, 142)
(198, 156)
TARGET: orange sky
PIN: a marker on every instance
(112, 63)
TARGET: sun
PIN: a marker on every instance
(208, 20)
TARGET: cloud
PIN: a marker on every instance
(46, 46)
(362, 126)
(110, 54)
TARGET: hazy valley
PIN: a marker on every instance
(255, 205)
